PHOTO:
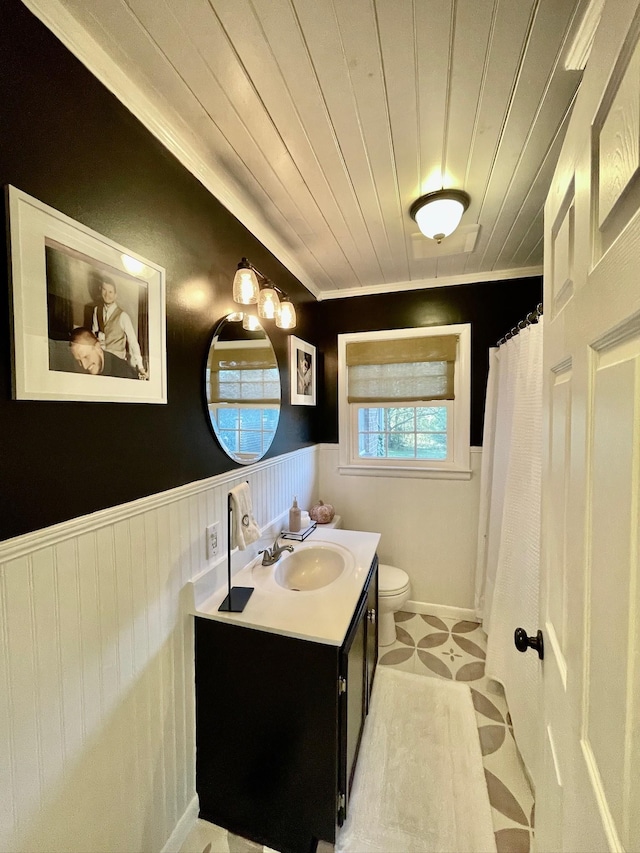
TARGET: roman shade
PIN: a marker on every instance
(239, 375)
(401, 369)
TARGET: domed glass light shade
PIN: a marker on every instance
(268, 303)
(286, 315)
(245, 284)
(438, 214)
(251, 323)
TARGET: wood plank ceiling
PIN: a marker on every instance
(319, 122)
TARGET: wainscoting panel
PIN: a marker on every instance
(429, 527)
(96, 663)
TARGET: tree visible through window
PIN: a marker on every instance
(407, 432)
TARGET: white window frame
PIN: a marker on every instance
(457, 465)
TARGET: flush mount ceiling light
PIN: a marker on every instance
(272, 303)
(438, 214)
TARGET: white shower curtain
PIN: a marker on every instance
(508, 565)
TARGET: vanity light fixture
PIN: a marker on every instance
(272, 303)
(438, 214)
(245, 284)
(268, 302)
(286, 317)
(251, 322)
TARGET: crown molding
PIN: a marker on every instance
(162, 123)
(580, 47)
(425, 283)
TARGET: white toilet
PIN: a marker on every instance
(393, 594)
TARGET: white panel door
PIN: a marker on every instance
(588, 795)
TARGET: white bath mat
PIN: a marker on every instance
(419, 785)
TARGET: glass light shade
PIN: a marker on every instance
(268, 303)
(286, 315)
(438, 214)
(245, 286)
(251, 323)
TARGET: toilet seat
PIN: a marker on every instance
(391, 580)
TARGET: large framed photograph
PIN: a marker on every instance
(302, 363)
(88, 315)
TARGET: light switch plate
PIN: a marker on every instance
(213, 540)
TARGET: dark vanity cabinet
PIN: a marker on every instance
(279, 722)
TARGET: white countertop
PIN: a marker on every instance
(322, 615)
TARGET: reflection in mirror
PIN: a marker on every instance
(242, 385)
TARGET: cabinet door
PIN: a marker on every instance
(353, 703)
(372, 633)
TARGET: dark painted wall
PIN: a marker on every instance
(65, 140)
(492, 308)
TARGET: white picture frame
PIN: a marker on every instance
(302, 371)
(59, 269)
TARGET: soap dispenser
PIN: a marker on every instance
(294, 517)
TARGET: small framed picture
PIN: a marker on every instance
(302, 362)
(88, 315)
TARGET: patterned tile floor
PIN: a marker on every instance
(453, 649)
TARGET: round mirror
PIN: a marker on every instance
(242, 384)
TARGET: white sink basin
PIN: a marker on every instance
(312, 567)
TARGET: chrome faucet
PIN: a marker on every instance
(273, 554)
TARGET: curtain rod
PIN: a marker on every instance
(531, 318)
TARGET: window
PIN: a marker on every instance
(404, 401)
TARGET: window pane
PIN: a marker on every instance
(433, 446)
(270, 419)
(402, 420)
(271, 390)
(250, 419)
(372, 445)
(370, 420)
(228, 418)
(230, 440)
(402, 446)
(431, 419)
(251, 442)
(229, 376)
(229, 391)
(402, 432)
(252, 390)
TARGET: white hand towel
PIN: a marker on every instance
(244, 529)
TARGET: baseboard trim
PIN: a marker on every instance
(183, 827)
(445, 611)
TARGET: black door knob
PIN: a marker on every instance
(523, 642)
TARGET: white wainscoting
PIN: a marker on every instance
(429, 527)
(96, 664)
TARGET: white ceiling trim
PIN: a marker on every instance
(423, 284)
(580, 49)
(56, 17)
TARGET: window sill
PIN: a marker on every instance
(399, 471)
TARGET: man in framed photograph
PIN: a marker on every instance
(114, 329)
(87, 350)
